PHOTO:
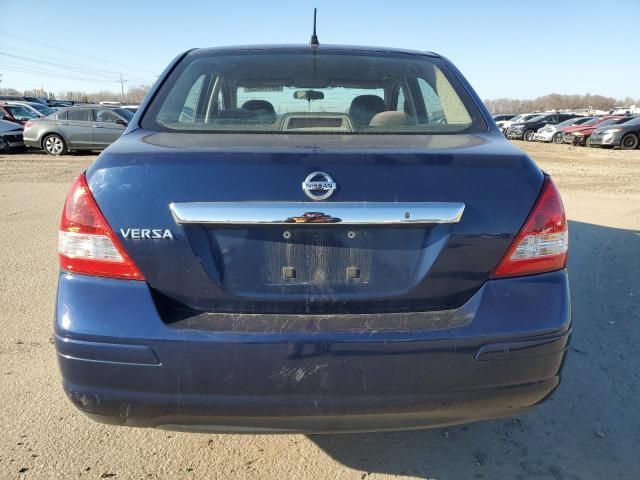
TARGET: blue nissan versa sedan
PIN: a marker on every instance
(311, 239)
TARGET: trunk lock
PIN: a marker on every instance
(286, 235)
(353, 272)
(351, 234)
(289, 272)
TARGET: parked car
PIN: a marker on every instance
(10, 136)
(41, 108)
(625, 135)
(29, 107)
(131, 108)
(11, 98)
(503, 117)
(338, 267)
(17, 113)
(553, 133)
(59, 103)
(526, 129)
(87, 127)
(505, 124)
(578, 134)
(631, 110)
(39, 100)
(19, 98)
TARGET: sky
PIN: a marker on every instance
(514, 49)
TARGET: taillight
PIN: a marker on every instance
(86, 242)
(541, 245)
(28, 124)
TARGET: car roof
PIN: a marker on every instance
(91, 105)
(306, 48)
(19, 102)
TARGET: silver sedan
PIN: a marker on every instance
(84, 127)
(625, 135)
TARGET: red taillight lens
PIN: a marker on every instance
(86, 242)
(27, 125)
(541, 245)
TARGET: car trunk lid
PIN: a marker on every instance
(415, 222)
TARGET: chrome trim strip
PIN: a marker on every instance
(318, 213)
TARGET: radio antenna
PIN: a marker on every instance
(314, 38)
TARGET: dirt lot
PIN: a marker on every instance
(590, 428)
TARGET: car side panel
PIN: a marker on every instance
(35, 135)
(105, 133)
(78, 133)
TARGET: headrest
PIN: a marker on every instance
(259, 106)
(262, 108)
(364, 107)
(390, 119)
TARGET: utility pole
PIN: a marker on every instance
(122, 87)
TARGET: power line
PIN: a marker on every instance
(66, 68)
(56, 66)
(76, 68)
(52, 47)
(25, 61)
(45, 73)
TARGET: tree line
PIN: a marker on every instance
(133, 95)
(556, 101)
(553, 101)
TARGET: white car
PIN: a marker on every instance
(38, 109)
(523, 117)
(553, 133)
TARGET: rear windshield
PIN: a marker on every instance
(581, 121)
(593, 121)
(623, 120)
(325, 92)
(123, 112)
(568, 122)
(609, 121)
(21, 113)
(43, 109)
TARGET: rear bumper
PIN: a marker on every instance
(122, 364)
(32, 143)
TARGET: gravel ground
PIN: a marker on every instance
(589, 429)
